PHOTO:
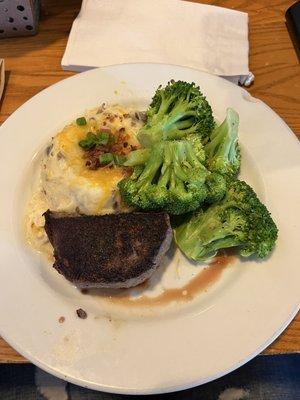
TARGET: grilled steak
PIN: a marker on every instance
(108, 251)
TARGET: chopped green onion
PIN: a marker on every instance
(106, 158)
(102, 138)
(81, 121)
(91, 136)
(88, 142)
(92, 140)
(119, 160)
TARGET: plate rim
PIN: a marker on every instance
(150, 391)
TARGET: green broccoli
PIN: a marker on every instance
(140, 156)
(137, 157)
(240, 219)
(216, 187)
(222, 151)
(171, 179)
(176, 110)
(198, 147)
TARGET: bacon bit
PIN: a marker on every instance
(119, 144)
(84, 291)
(92, 156)
(119, 147)
(93, 164)
(107, 130)
(61, 320)
(127, 171)
(96, 151)
(110, 117)
(116, 136)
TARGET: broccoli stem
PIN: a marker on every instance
(137, 157)
(150, 171)
(224, 138)
(164, 178)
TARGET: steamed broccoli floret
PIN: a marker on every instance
(222, 151)
(172, 179)
(140, 156)
(176, 110)
(240, 219)
(198, 147)
(137, 157)
(216, 187)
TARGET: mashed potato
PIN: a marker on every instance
(65, 182)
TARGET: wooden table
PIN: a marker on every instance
(33, 63)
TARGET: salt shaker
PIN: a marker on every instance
(18, 17)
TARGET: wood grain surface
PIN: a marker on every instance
(33, 63)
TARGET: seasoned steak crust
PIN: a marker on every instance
(112, 251)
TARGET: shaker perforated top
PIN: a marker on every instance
(18, 17)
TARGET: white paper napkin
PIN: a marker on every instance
(209, 38)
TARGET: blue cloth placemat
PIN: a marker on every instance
(264, 378)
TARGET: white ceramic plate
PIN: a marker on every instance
(137, 350)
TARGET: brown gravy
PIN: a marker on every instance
(203, 280)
